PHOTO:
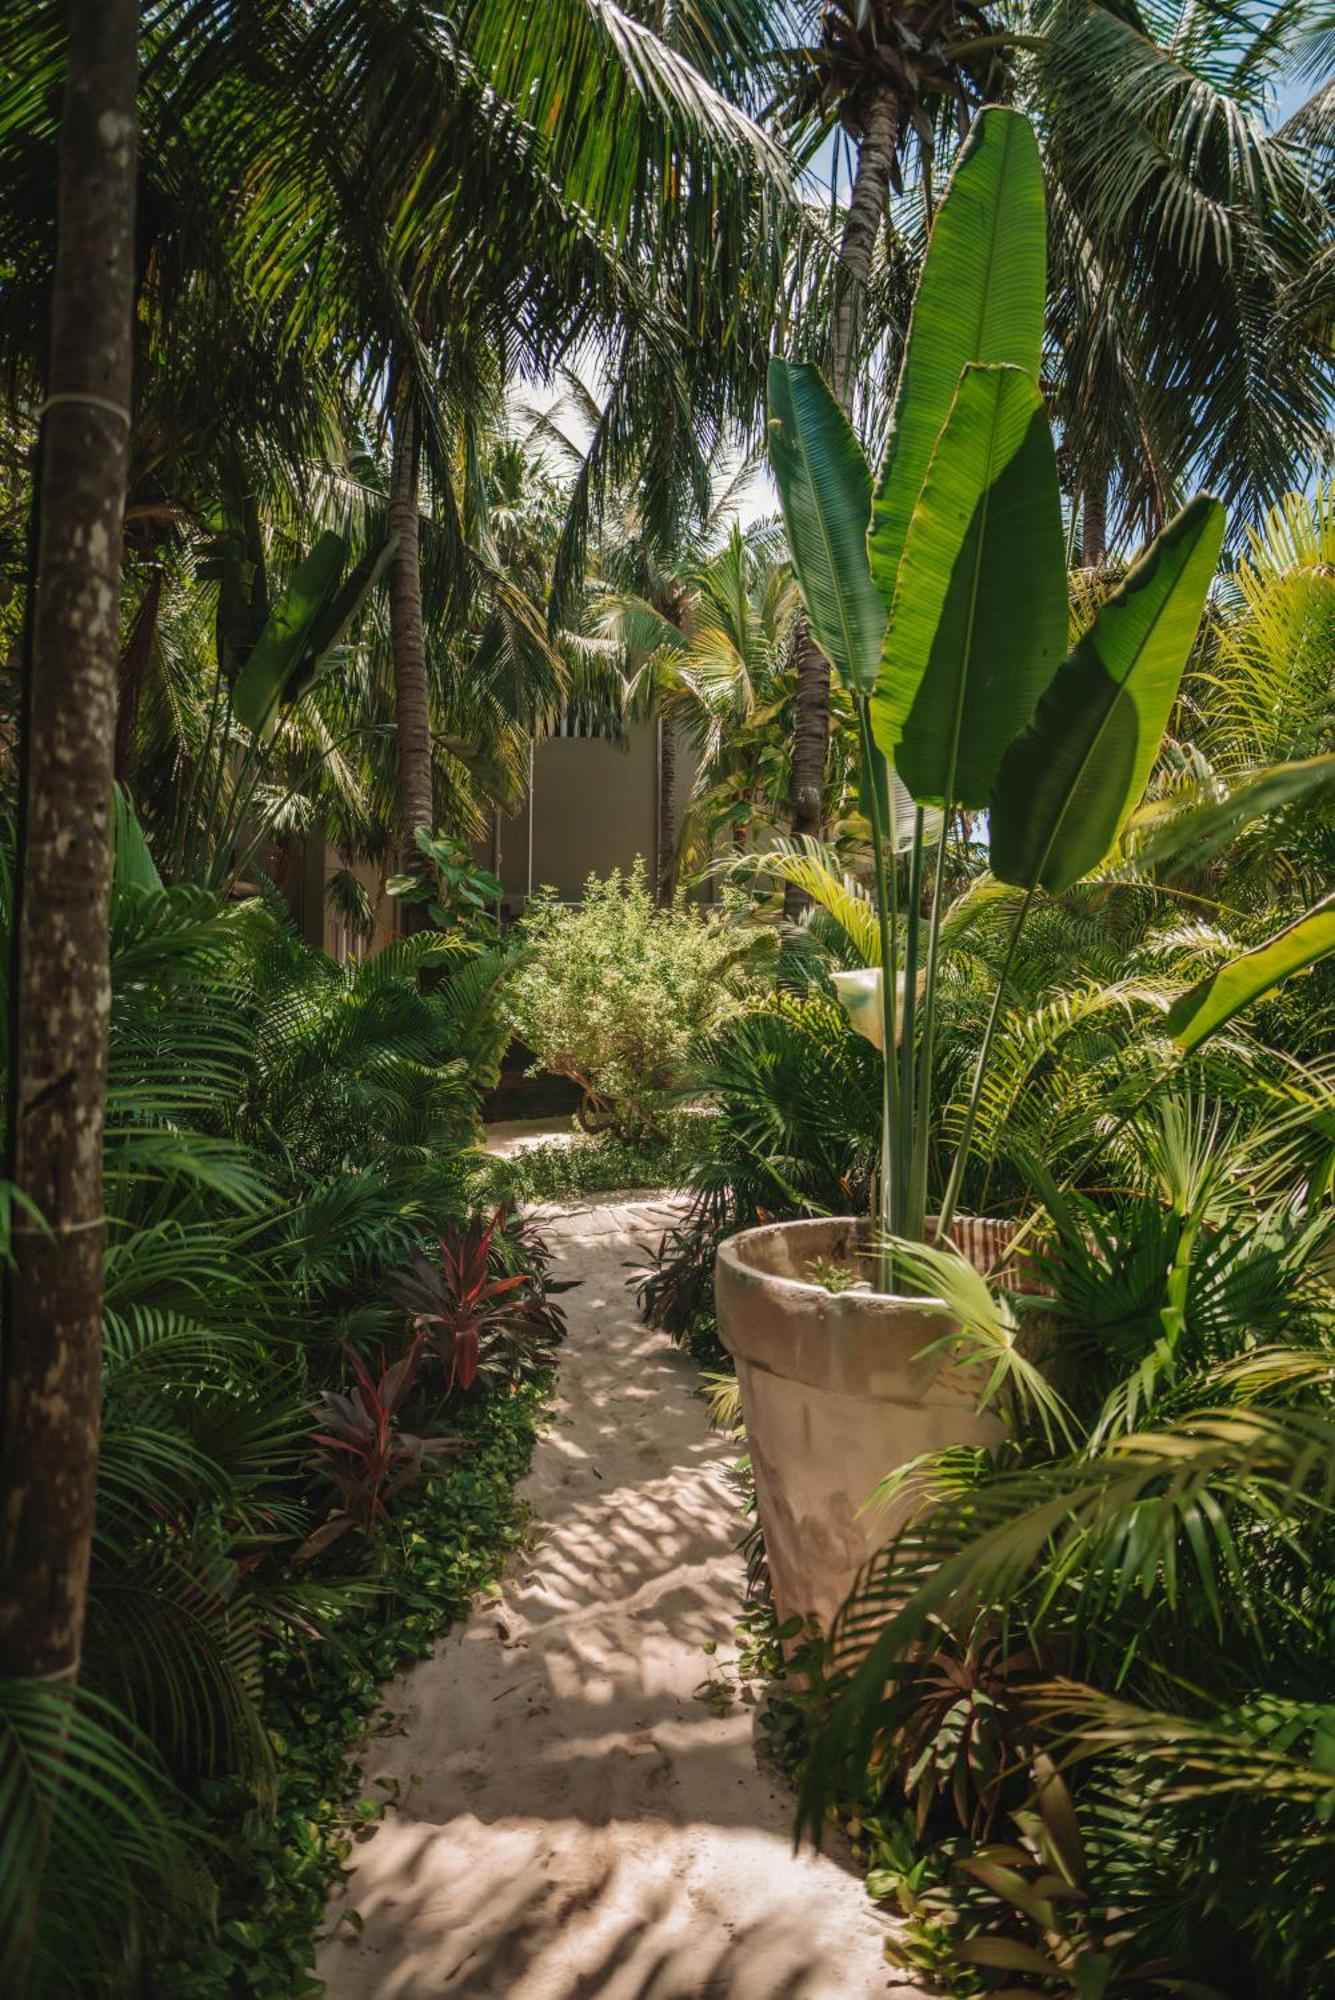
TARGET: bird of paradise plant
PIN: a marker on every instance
(938, 593)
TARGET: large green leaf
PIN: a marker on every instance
(978, 626)
(287, 635)
(1216, 999)
(1068, 781)
(825, 494)
(331, 623)
(133, 866)
(1189, 839)
(980, 298)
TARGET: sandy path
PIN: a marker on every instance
(574, 1821)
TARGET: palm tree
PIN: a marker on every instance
(640, 152)
(412, 707)
(59, 977)
(708, 648)
(60, 980)
(321, 219)
(1184, 236)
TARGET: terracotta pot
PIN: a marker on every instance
(836, 1394)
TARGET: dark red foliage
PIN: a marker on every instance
(958, 1728)
(458, 1303)
(364, 1455)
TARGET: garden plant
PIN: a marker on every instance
(609, 992)
(943, 604)
(388, 391)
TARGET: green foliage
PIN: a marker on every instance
(559, 1171)
(306, 621)
(979, 620)
(1071, 778)
(979, 299)
(1135, 1586)
(322, 1693)
(610, 991)
(281, 1132)
(1208, 1006)
(796, 1100)
(452, 889)
(971, 704)
(86, 1795)
(1165, 1564)
(826, 489)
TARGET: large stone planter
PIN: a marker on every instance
(836, 1394)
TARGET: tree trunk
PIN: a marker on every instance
(857, 245)
(1094, 522)
(862, 226)
(667, 807)
(133, 669)
(412, 709)
(811, 742)
(61, 972)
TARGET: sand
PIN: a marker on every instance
(573, 1818)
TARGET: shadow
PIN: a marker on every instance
(580, 1812)
(649, 1927)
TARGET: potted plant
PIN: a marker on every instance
(939, 593)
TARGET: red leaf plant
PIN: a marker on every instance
(364, 1454)
(458, 1303)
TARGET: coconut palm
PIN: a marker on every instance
(59, 978)
(327, 766)
(651, 157)
(709, 646)
(1184, 236)
(436, 125)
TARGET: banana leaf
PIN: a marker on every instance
(1069, 781)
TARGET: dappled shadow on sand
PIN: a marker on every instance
(650, 1929)
(575, 1812)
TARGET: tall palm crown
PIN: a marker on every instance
(914, 56)
(1189, 233)
(376, 192)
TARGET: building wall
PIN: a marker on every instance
(594, 807)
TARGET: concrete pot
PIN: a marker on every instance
(835, 1396)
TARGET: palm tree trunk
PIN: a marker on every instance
(61, 982)
(811, 737)
(862, 226)
(857, 246)
(1094, 522)
(667, 806)
(133, 670)
(412, 710)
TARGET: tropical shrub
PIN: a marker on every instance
(609, 992)
(364, 1453)
(449, 887)
(269, 1872)
(583, 1163)
(282, 1132)
(938, 592)
(1140, 1588)
(473, 1319)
